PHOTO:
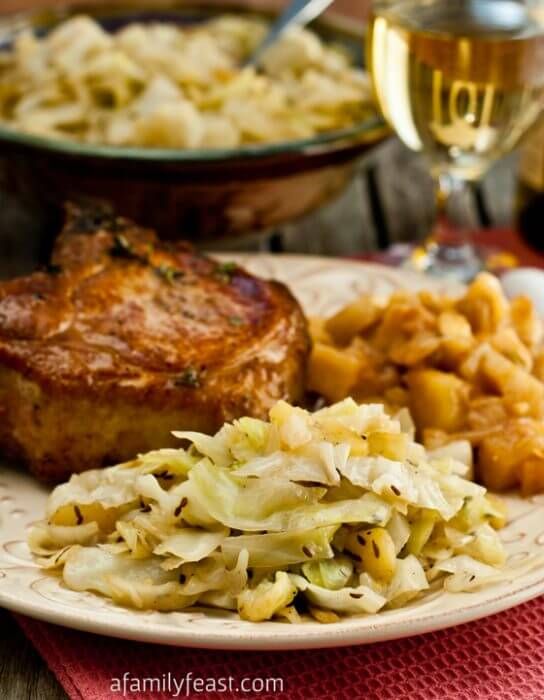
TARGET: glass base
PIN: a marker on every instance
(458, 262)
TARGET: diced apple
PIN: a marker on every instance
(318, 331)
(498, 460)
(531, 474)
(391, 445)
(515, 384)
(71, 515)
(331, 372)
(437, 399)
(484, 305)
(352, 319)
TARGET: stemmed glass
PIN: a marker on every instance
(461, 81)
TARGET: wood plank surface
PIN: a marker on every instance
(23, 674)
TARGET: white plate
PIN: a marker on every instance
(322, 285)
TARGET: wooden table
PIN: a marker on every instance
(23, 674)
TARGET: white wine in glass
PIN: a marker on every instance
(461, 81)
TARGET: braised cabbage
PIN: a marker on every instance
(338, 512)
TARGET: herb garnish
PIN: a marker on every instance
(236, 321)
(122, 248)
(168, 273)
(225, 271)
(189, 377)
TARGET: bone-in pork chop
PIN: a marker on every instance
(124, 338)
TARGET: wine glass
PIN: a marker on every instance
(461, 81)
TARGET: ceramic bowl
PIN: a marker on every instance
(201, 195)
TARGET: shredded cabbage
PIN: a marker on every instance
(333, 574)
(280, 549)
(190, 544)
(267, 598)
(339, 508)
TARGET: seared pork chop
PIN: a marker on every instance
(124, 339)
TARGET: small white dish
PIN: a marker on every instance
(527, 281)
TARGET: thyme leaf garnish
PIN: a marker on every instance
(190, 377)
(168, 273)
(225, 271)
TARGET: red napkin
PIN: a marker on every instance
(498, 658)
(495, 243)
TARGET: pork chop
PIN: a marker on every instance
(124, 338)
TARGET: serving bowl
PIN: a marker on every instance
(202, 195)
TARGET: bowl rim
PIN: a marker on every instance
(363, 134)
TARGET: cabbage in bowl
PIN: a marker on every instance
(161, 85)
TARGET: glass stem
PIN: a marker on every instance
(445, 231)
(448, 251)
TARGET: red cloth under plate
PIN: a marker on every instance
(498, 658)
